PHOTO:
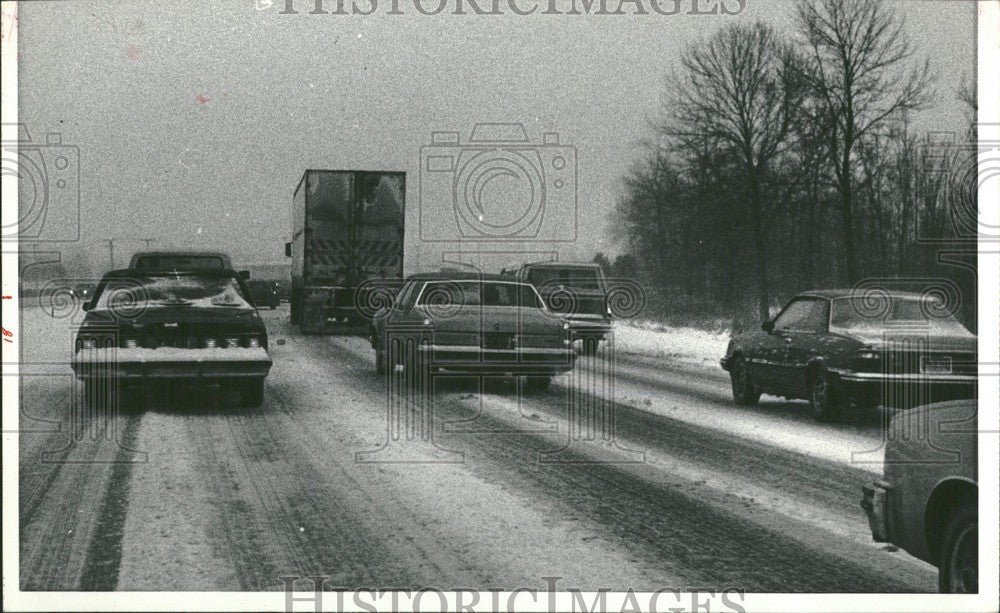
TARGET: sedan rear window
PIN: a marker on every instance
(177, 290)
(574, 277)
(179, 262)
(476, 293)
(878, 311)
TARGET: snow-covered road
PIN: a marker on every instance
(646, 478)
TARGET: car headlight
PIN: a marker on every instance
(88, 343)
(231, 342)
(253, 342)
(210, 343)
(130, 343)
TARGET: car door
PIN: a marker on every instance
(805, 341)
(776, 361)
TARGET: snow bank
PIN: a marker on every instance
(680, 343)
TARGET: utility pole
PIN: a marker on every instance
(111, 252)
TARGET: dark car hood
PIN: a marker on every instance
(934, 340)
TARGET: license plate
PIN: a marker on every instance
(498, 340)
(935, 365)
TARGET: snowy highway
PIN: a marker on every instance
(633, 471)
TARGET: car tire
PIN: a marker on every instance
(824, 398)
(537, 383)
(744, 390)
(252, 392)
(958, 570)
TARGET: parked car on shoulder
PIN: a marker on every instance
(470, 323)
(839, 349)
(151, 325)
(927, 500)
(576, 290)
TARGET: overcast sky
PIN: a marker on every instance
(195, 120)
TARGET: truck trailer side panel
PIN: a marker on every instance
(351, 232)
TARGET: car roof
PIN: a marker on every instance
(874, 292)
(174, 252)
(125, 273)
(555, 264)
(460, 276)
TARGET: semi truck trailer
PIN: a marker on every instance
(347, 228)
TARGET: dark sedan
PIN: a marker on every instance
(265, 293)
(838, 348)
(195, 326)
(472, 324)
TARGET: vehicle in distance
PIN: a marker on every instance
(180, 260)
(575, 290)
(838, 349)
(347, 228)
(471, 323)
(151, 325)
(927, 499)
(82, 291)
(265, 293)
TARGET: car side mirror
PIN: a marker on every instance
(767, 326)
(288, 250)
(244, 274)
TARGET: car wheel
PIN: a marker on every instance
(823, 397)
(537, 383)
(958, 572)
(252, 392)
(744, 390)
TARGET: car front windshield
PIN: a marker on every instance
(476, 293)
(173, 290)
(573, 277)
(878, 312)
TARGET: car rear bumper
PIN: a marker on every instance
(875, 502)
(525, 360)
(173, 363)
(878, 388)
(589, 327)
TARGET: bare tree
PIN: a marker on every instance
(858, 69)
(738, 90)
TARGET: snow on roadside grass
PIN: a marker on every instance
(680, 343)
